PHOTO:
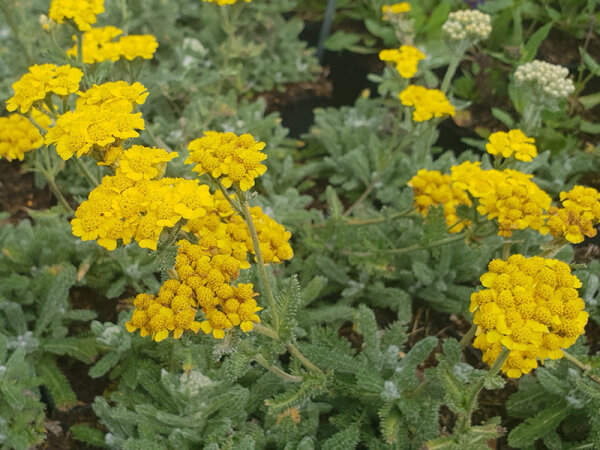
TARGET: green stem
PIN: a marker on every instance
(412, 248)
(464, 422)
(506, 250)
(79, 35)
(53, 186)
(531, 117)
(270, 332)
(276, 370)
(86, 173)
(266, 331)
(259, 259)
(303, 359)
(455, 59)
(464, 341)
(263, 362)
(584, 367)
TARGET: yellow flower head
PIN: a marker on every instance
(170, 311)
(428, 103)
(578, 216)
(19, 136)
(532, 307)
(92, 127)
(406, 59)
(430, 187)
(82, 12)
(118, 95)
(224, 2)
(41, 80)
(396, 8)
(509, 196)
(137, 46)
(139, 162)
(236, 159)
(99, 45)
(514, 143)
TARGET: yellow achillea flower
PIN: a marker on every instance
(576, 219)
(19, 136)
(236, 159)
(509, 196)
(224, 2)
(432, 188)
(99, 45)
(124, 209)
(92, 128)
(234, 237)
(103, 118)
(514, 142)
(428, 103)
(208, 273)
(171, 310)
(137, 46)
(82, 12)
(529, 305)
(396, 8)
(140, 162)
(118, 95)
(42, 80)
(406, 59)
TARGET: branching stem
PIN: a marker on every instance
(464, 421)
(584, 367)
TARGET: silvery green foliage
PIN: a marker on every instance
(559, 406)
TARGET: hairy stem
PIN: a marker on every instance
(86, 173)
(464, 422)
(464, 341)
(259, 259)
(584, 367)
(303, 359)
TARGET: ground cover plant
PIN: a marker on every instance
(417, 269)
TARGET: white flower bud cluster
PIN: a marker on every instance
(467, 24)
(549, 79)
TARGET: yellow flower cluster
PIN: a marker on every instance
(171, 310)
(512, 143)
(99, 45)
(531, 306)
(431, 187)
(209, 274)
(396, 8)
(82, 12)
(205, 277)
(509, 196)
(428, 103)
(224, 2)
(577, 217)
(130, 206)
(103, 118)
(42, 80)
(19, 136)
(237, 159)
(406, 59)
(234, 237)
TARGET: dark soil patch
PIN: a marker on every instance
(18, 193)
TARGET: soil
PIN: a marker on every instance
(18, 193)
